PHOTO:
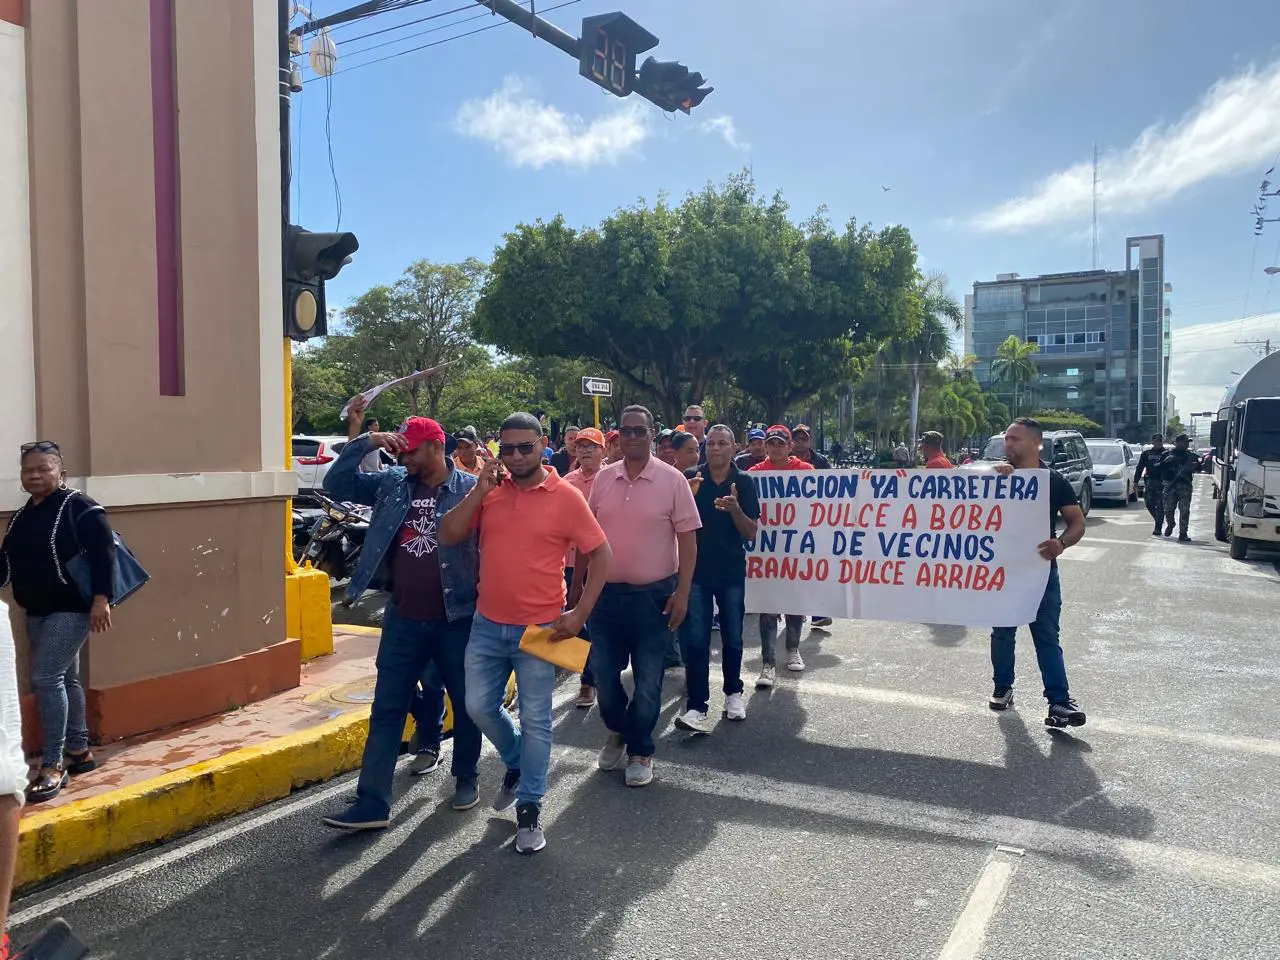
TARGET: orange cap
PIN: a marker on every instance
(592, 434)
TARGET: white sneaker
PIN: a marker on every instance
(766, 678)
(795, 661)
(694, 722)
(735, 708)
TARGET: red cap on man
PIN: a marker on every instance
(777, 432)
(419, 430)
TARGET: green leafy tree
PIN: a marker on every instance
(1175, 426)
(940, 315)
(675, 298)
(319, 390)
(421, 321)
(1067, 420)
(1014, 364)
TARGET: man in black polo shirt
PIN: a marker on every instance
(1022, 450)
(729, 508)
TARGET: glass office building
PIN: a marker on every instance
(1103, 338)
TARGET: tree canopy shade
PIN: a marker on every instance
(723, 285)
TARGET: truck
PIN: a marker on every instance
(1246, 460)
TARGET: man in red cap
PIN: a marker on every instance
(433, 598)
(779, 456)
(612, 447)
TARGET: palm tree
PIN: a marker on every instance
(1014, 365)
(959, 367)
(940, 314)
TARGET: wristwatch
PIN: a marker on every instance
(1063, 542)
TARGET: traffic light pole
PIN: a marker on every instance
(542, 29)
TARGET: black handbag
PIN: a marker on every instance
(128, 576)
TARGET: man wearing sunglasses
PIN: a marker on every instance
(527, 520)
(647, 510)
(695, 423)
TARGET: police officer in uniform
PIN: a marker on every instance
(1151, 463)
(1179, 465)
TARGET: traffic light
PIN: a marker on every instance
(609, 46)
(309, 260)
(670, 85)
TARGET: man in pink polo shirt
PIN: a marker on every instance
(647, 511)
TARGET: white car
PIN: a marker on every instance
(1114, 462)
(312, 457)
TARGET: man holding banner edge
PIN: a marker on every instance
(1022, 442)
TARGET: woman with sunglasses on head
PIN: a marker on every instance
(49, 530)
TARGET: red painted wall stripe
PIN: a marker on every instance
(164, 117)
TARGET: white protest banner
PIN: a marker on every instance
(372, 393)
(923, 546)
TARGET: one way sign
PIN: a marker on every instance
(597, 387)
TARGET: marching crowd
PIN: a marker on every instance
(635, 540)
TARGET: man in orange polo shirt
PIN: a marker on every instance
(527, 520)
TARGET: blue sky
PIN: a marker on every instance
(979, 116)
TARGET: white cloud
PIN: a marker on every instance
(1204, 358)
(1234, 128)
(533, 134)
(726, 128)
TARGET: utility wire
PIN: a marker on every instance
(413, 23)
(422, 33)
(426, 46)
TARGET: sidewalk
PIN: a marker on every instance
(162, 784)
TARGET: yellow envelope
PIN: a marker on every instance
(570, 654)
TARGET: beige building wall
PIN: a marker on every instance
(196, 481)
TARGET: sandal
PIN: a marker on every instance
(47, 784)
(81, 762)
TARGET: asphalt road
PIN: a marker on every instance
(873, 807)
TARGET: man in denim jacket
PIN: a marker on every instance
(433, 598)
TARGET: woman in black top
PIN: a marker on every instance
(54, 525)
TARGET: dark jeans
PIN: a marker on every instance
(407, 647)
(428, 709)
(695, 640)
(1044, 633)
(587, 679)
(628, 626)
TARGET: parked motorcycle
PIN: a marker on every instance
(337, 537)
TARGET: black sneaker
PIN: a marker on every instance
(1001, 698)
(529, 835)
(1183, 538)
(1168, 530)
(506, 796)
(1065, 714)
(1156, 531)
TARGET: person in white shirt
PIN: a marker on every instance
(13, 763)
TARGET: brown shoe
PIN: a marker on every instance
(47, 784)
(586, 698)
(78, 763)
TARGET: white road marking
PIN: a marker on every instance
(1087, 554)
(1128, 728)
(970, 930)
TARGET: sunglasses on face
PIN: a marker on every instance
(633, 431)
(39, 446)
(693, 419)
(510, 449)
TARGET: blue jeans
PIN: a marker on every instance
(493, 652)
(695, 640)
(427, 709)
(1044, 633)
(56, 640)
(406, 648)
(769, 635)
(629, 626)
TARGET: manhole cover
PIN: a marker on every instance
(356, 692)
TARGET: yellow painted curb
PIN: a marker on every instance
(356, 630)
(60, 839)
(307, 594)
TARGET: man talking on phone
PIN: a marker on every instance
(527, 518)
